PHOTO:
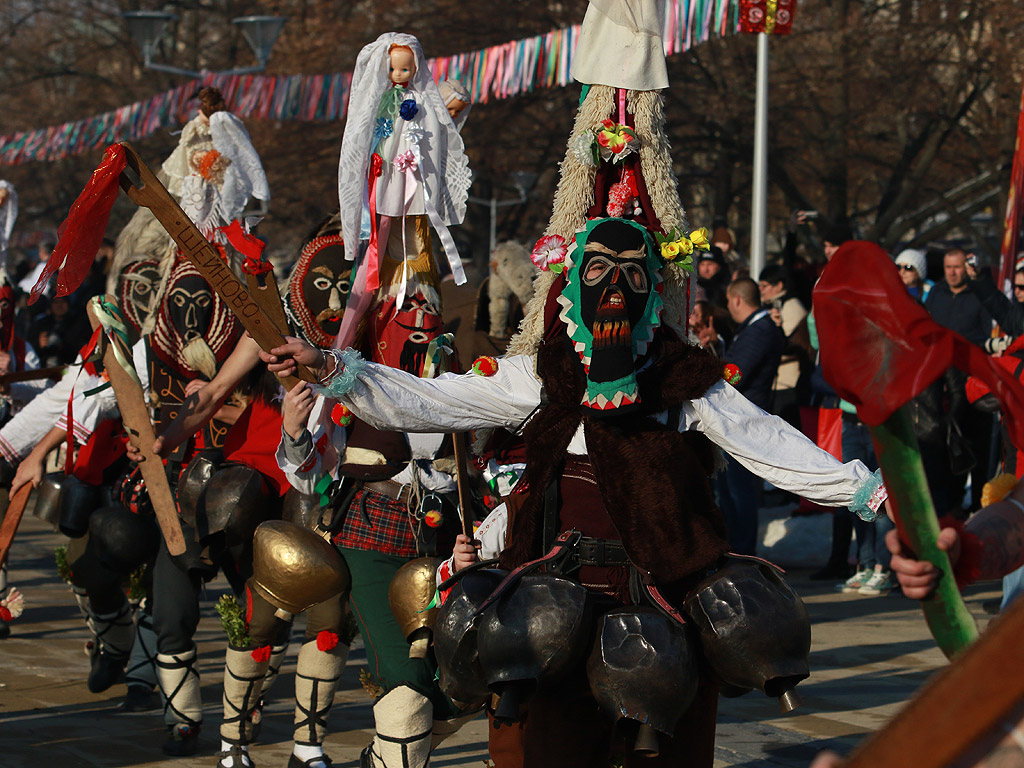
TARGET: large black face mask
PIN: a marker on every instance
(325, 288)
(191, 307)
(614, 289)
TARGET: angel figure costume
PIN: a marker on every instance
(8, 215)
(623, 418)
(401, 158)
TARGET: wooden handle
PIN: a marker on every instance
(15, 511)
(462, 479)
(152, 194)
(135, 415)
(959, 706)
(35, 374)
(263, 288)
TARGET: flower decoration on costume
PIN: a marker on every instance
(383, 128)
(341, 415)
(406, 161)
(485, 366)
(616, 141)
(414, 133)
(408, 109)
(732, 374)
(679, 248)
(549, 253)
(584, 149)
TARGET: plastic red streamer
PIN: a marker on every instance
(81, 234)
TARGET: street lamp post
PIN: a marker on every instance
(148, 26)
(523, 181)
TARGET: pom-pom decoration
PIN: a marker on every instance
(619, 198)
(408, 109)
(12, 606)
(485, 366)
(341, 415)
(433, 519)
(616, 141)
(732, 374)
(326, 641)
(549, 253)
(261, 654)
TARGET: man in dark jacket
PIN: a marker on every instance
(755, 352)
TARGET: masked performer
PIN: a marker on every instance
(621, 413)
(317, 289)
(8, 215)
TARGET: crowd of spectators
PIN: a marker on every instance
(765, 331)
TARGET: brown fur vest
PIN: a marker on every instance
(653, 479)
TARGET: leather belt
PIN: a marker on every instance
(391, 489)
(600, 552)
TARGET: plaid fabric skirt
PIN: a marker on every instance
(378, 523)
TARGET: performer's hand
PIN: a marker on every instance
(918, 577)
(194, 386)
(298, 404)
(30, 470)
(464, 554)
(827, 759)
(282, 360)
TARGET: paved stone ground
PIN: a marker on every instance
(868, 656)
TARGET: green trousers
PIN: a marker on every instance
(387, 650)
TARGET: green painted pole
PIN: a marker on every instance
(896, 447)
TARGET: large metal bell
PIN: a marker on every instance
(123, 541)
(294, 569)
(531, 637)
(236, 501)
(410, 594)
(78, 501)
(48, 492)
(754, 629)
(643, 668)
(193, 482)
(301, 508)
(455, 639)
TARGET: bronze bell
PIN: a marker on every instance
(294, 569)
(193, 481)
(412, 590)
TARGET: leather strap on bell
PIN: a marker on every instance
(564, 545)
(662, 604)
(391, 489)
(600, 552)
(454, 579)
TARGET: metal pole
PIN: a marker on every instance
(494, 227)
(758, 214)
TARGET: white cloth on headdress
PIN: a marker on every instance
(245, 177)
(8, 215)
(621, 45)
(443, 166)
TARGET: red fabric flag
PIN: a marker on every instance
(774, 17)
(81, 234)
(880, 348)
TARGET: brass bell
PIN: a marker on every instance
(412, 590)
(294, 569)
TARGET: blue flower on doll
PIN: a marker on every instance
(408, 109)
(384, 128)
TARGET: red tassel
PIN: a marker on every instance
(261, 654)
(326, 641)
(5, 615)
(81, 234)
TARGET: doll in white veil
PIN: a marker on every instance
(401, 158)
(8, 215)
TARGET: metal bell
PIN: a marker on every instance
(411, 591)
(455, 639)
(193, 481)
(123, 540)
(48, 492)
(531, 636)
(236, 501)
(754, 629)
(78, 500)
(643, 667)
(293, 568)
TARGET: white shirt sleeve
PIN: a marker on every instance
(772, 449)
(24, 391)
(388, 398)
(304, 475)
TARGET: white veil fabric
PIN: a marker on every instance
(244, 177)
(444, 168)
(8, 215)
(621, 45)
